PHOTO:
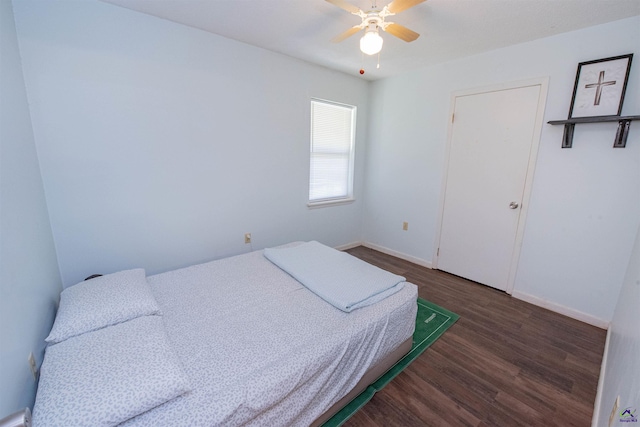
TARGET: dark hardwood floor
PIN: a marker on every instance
(504, 363)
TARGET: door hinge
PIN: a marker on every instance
(453, 117)
(438, 252)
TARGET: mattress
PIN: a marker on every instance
(260, 349)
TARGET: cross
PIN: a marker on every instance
(599, 87)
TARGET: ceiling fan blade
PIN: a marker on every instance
(401, 32)
(397, 6)
(342, 4)
(351, 31)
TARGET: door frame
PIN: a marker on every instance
(543, 82)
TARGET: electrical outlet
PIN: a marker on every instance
(405, 226)
(614, 411)
(247, 238)
(32, 366)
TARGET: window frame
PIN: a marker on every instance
(349, 197)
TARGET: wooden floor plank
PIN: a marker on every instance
(504, 363)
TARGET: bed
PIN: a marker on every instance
(236, 341)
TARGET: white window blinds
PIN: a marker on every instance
(332, 144)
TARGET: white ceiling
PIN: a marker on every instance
(449, 29)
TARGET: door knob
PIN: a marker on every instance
(513, 205)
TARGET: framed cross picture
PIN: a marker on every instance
(600, 86)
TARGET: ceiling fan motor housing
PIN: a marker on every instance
(373, 20)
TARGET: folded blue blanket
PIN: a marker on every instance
(342, 280)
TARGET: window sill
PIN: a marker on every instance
(327, 203)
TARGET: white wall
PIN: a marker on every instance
(585, 202)
(621, 373)
(29, 276)
(161, 145)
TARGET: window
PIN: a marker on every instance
(332, 147)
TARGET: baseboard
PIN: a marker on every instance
(540, 302)
(348, 246)
(387, 251)
(564, 310)
(410, 258)
(597, 406)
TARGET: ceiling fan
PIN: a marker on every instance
(373, 20)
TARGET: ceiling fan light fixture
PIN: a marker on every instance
(371, 42)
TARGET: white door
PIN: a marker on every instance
(489, 153)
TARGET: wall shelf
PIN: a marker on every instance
(624, 123)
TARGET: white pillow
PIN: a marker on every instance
(108, 376)
(102, 301)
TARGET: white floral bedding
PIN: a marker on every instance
(260, 349)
